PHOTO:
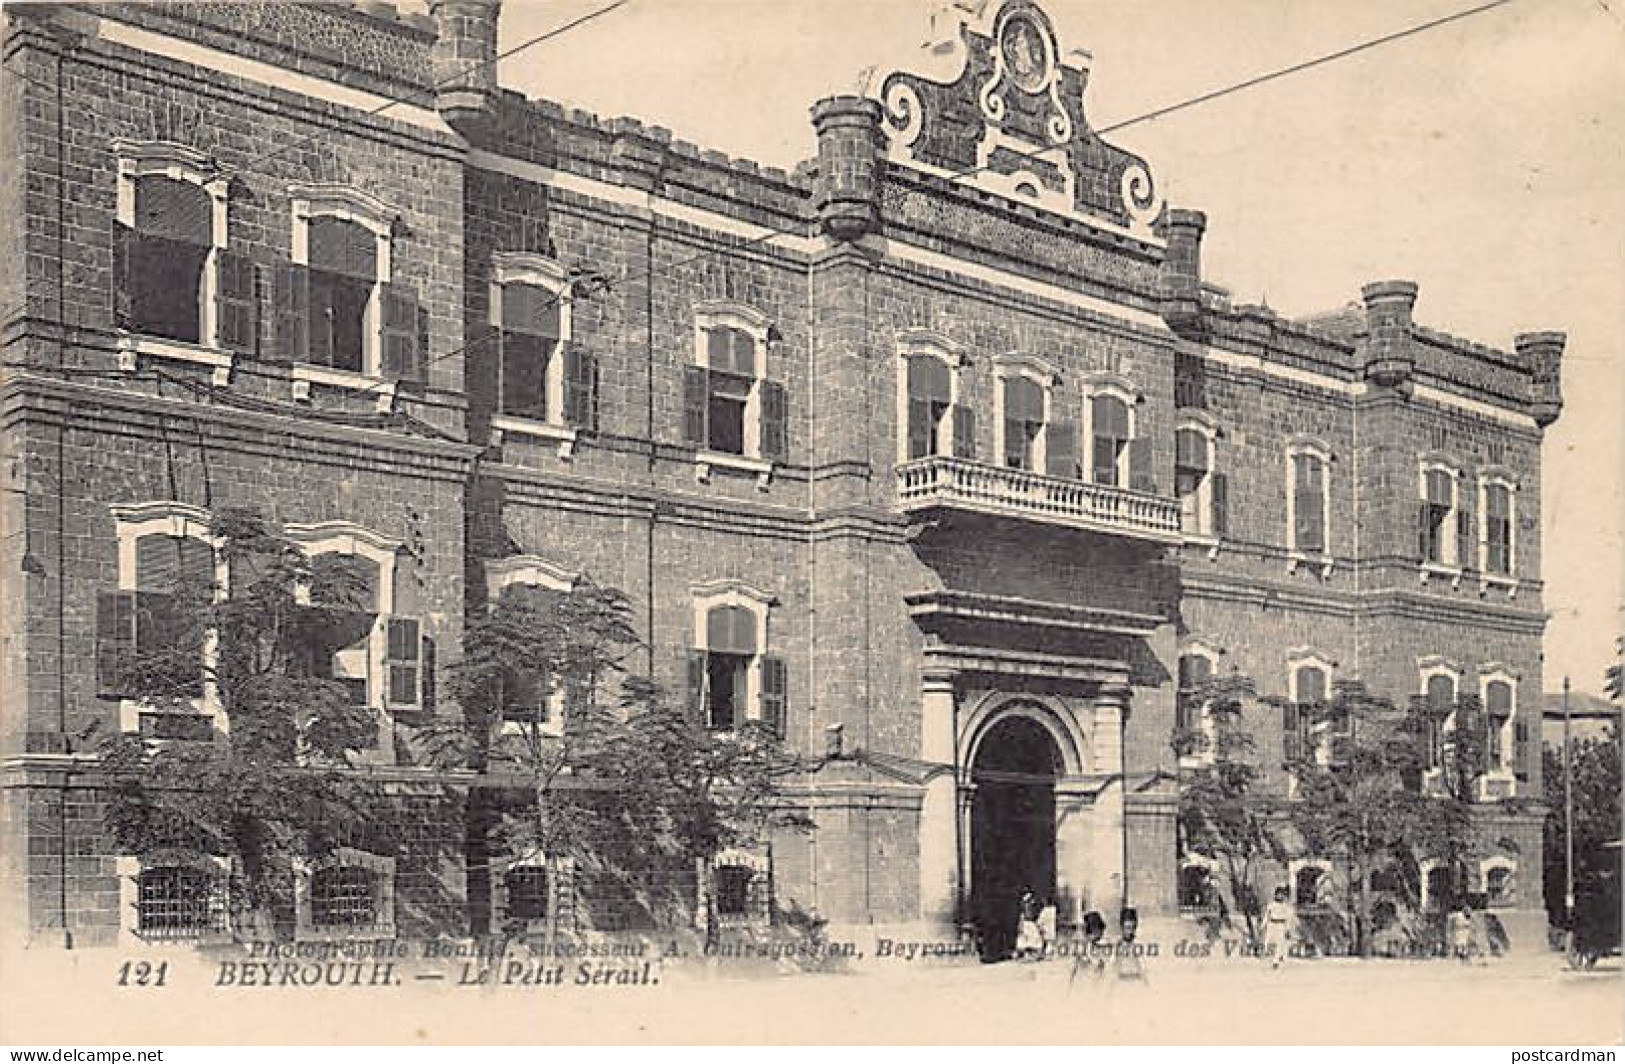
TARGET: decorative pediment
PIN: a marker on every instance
(995, 94)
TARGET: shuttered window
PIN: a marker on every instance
(1498, 530)
(930, 400)
(1309, 503)
(159, 263)
(530, 334)
(342, 274)
(1192, 466)
(1433, 517)
(1023, 422)
(1497, 711)
(1109, 429)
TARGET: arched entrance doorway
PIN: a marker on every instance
(1012, 827)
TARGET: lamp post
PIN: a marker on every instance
(1568, 820)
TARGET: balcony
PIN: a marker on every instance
(959, 484)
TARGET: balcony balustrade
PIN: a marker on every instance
(957, 483)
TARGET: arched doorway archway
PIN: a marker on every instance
(1012, 819)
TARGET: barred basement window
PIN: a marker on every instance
(343, 897)
(733, 890)
(178, 902)
(527, 892)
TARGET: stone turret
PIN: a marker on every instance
(1389, 361)
(1542, 352)
(1179, 286)
(464, 58)
(849, 160)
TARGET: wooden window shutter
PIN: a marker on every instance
(1139, 465)
(403, 663)
(480, 361)
(402, 351)
(775, 422)
(775, 687)
(1291, 733)
(123, 301)
(964, 432)
(580, 387)
(1424, 515)
(696, 682)
(293, 312)
(115, 640)
(1466, 540)
(1221, 503)
(1524, 751)
(237, 304)
(696, 401)
(1061, 449)
(920, 443)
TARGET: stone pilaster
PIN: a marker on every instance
(939, 840)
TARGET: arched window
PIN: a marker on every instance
(1498, 542)
(1308, 881)
(1500, 886)
(1498, 721)
(1203, 491)
(1024, 435)
(1023, 422)
(1440, 689)
(930, 407)
(1437, 538)
(547, 385)
(1109, 439)
(732, 678)
(733, 413)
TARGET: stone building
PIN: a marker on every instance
(941, 441)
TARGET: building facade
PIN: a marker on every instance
(941, 442)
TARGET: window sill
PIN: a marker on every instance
(1489, 580)
(705, 461)
(305, 374)
(379, 933)
(564, 435)
(1298, 559)
(132, 348)
(1440, 571)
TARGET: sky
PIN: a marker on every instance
(1484, 159)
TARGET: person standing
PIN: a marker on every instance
(1029, 942)
(1280, 927)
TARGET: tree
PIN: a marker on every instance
(1224, 815)
(1366, 791)
(591, 767)
(1595, 768)
(1611, 683)
(277, 791)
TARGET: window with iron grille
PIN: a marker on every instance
(527, 892)
(733, 890)
(343, 897)
(179, 902)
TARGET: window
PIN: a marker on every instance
(342, 898)
(530, 701)
(1498, 692)
(1500, 882)
(1025, 435)
(546, 384)
(379, 655)
(526, 886)
(731, 679)
(1305, 730)
(1195, 671)
(730, 407)
(174, 278)
(1308, 886)
(1203, 492)
(1435, 886)
(1309, 503)
(180, 902)
(930, 407)
(1198, 893)
(150, 634)
(1497, 552)
(339, 307)
(1435, 530)
(931, 420)
(741, 887)
(349, 894)
(1023, 423)
(1440, 684)
(1109, 440)
(733, 890)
